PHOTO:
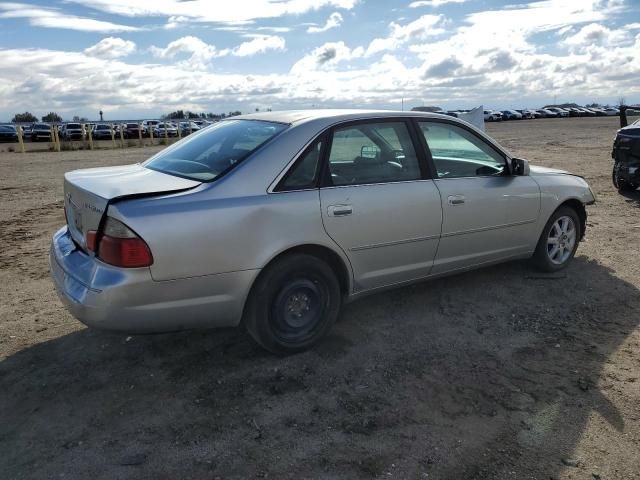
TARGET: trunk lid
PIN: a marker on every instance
(88, 192)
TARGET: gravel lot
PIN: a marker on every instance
(498, 373)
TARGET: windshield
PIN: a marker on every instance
(213, 151)
(41, 126)
(74, 126)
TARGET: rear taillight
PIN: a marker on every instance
(120, 246)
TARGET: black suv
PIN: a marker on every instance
(626, 154)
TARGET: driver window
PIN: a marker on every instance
(372, 153)
(457, 153)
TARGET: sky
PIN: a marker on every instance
(140, 59)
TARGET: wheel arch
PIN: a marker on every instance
(339, 265)
(580, 209)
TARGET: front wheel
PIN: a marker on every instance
(559, 240)
(293, 304)
(620, 183)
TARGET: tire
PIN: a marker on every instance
(564, 226)
(619, 183)
(293, 304)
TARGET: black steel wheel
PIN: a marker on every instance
(293, 304)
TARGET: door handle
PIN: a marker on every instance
(455, 199)
(339, 210)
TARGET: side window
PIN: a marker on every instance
(304, 172)
(372, 153)
(459, 153)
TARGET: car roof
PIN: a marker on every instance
(331, 116)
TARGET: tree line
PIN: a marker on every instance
(53, 117)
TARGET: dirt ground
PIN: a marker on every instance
(499, 373)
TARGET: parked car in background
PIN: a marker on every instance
(40, 132)
(8, 133)
(611, 111)
(273, 220)
(546, 113)
(73, 131)
(102, 131)
(165, 129)
(574, 112)
(148, 126)
(626, 158)
(586, 112)
(560, 112)
(528, 114)
(187, 128)
(26, 131)
(491, 116)
(131, 130)
(598, 111)
(511, 115)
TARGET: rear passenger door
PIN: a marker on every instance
(377, 204)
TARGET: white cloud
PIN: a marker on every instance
(433, 3)
(420, 29)
(111, 47)
(490, 57)
(175, 21)
(210, 11)
(259, 44)
(53, 18)
(334, 20)
(595, 34)
(325, 57)
(201, 53)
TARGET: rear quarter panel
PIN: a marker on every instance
(193, 234)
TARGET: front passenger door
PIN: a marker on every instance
(488, 214)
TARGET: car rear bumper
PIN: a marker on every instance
(129, 300)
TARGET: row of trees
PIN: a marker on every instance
(53, 117)
(181, 114)
(28, 117)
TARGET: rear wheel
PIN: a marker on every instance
(293, 304)
(559, 240)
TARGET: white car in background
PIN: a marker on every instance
(561, 112)
(491, 116)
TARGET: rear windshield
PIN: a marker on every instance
(213, 151)
(74, 125)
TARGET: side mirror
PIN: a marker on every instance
(519, 166)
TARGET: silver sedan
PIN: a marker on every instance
(273, 220)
